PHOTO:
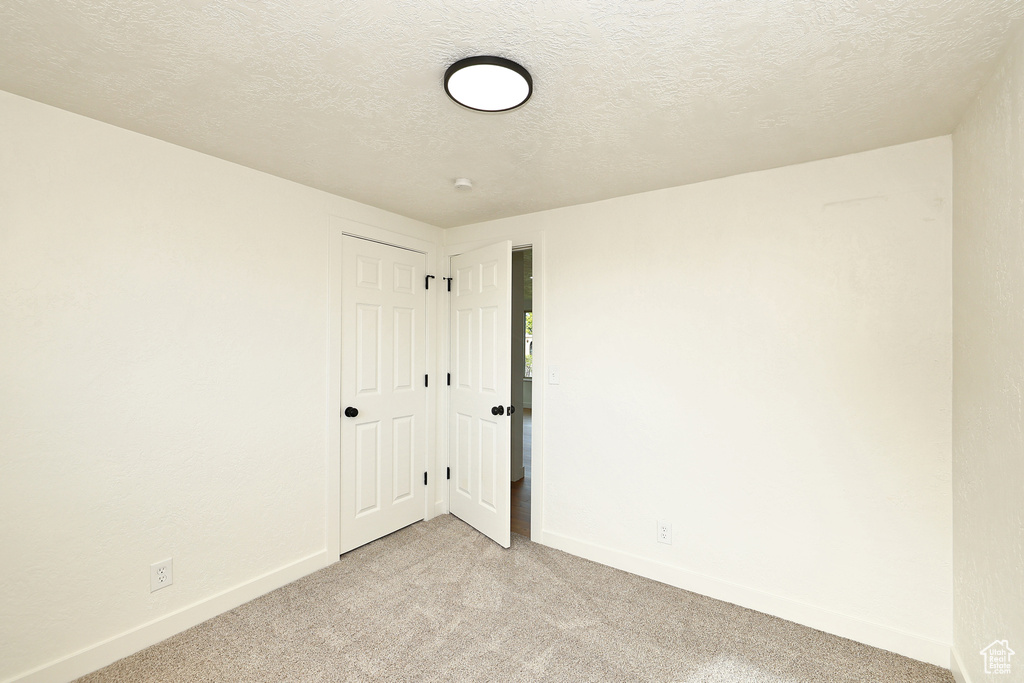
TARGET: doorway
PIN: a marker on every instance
(522, 390)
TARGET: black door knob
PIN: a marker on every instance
(511, 409)
(498, 410)
(351, 412)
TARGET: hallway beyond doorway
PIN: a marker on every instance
(521, 488)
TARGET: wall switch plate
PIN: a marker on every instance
(553, 374)
(664, 532)
(160, 575)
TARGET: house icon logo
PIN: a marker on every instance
(997, 657)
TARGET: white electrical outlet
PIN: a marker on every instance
(160, 575)
(664, 532)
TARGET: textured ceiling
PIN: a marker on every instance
(629, 96)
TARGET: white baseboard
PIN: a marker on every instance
(956, 667)
(884, 637)
(117, 647)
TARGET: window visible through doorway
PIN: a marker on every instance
(528, 339)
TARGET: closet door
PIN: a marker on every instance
(383, 397)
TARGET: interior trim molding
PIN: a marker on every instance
(887, 638)
(108, 651)
(957, 668)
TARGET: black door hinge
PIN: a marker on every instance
(426, 380)
(449, 379)
(424, 478)
(449, 472)
(427, 279)
(449, 279)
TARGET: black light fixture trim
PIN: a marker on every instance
(494, 61)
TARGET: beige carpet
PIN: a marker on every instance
(439, 602)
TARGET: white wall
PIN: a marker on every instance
(786, 404)
(988, 382)
(162, 386)
(784, 396)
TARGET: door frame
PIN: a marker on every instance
(438, 258)
(520, 240)
(338, 227)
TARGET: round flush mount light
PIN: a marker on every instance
(490, 84)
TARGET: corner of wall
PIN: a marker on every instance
(956, 668)
(988, 160)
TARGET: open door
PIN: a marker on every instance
(479, 417)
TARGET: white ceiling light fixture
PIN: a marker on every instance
(489, 84)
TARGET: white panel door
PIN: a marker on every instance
(479, 430)
(383, 398)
